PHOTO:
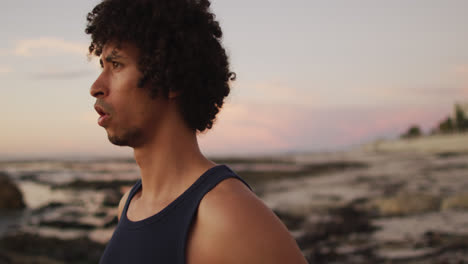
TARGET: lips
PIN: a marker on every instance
(103, 115)
(99, 110)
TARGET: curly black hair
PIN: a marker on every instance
(180, 50)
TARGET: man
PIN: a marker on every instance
(164, 77)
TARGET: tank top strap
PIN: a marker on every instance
(209, 180)
(133, 191)
(224, 172)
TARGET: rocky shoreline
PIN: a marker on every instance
(352, 207)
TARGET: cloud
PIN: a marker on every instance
(5, 69)
(245, 128)
(254, 128)
(56, 74)
(47, 45)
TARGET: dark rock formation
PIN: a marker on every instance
(112, 222)
(48, 207)
(30, 248)
(339, 237)
(111, 198)
(95, 185)
(66, 224)
(10, 195)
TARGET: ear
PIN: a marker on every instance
(174, 94)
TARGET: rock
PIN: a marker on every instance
(446, 155)
(340, 222)
(65, 224)
(4, 259)
(10, 195)
(30, 247)
(450, 166)
(457, 202)
(433, 247)
(28, 177)
(17, 258)
(292, 222)
(338, 237)
(113, 222)
(96, 184)
(111, 199)
(100, 214)
(50, 206)
(405, 204)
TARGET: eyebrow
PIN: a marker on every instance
(113, 56)
(109, 58)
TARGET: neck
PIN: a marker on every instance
(170, 161)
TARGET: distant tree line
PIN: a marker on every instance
(412, 132)
(460, 124)
(457, 124)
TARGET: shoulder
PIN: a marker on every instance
(234, 226)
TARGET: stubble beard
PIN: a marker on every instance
(131, 138)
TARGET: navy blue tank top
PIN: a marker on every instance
(161, 238)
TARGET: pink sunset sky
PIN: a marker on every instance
(312, 75)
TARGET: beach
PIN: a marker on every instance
(366, 205)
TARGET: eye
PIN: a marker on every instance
(116, 65)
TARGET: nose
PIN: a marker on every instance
(99, 87)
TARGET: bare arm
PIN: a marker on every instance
(234, 226)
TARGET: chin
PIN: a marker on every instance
(118, 141)
(131, 138)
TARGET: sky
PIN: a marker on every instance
(311, 75)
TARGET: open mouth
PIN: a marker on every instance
(99, 110)
(103, 116)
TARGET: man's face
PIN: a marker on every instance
(127, 111)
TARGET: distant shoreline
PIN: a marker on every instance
(427, 144)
